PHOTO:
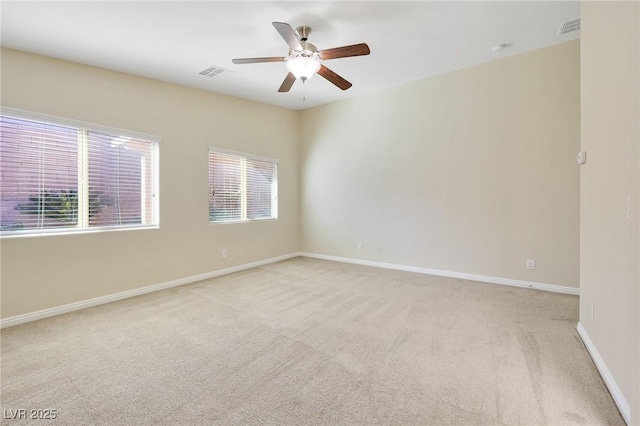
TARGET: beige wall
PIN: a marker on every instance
(44, 272)
(472, 171)
(609, 251)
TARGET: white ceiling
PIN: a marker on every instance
(174, 41)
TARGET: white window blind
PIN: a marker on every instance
(241, 187)
(225, 187)
(39, 175)
(121, 178)
(62, 178)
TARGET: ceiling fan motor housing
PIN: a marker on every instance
(303, 32)
(308, 50)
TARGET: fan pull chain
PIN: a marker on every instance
(304, 90)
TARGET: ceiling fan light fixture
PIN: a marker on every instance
(303, 67)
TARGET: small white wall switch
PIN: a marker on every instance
(360, 246)
(582, 157)
(531, 264)
(223, 255)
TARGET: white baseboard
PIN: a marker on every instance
(76, 306)
(462, 275)
(616, 393)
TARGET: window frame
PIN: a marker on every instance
(274, 190)
(84, 127)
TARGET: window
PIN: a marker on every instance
(61, 176)
(241, 187)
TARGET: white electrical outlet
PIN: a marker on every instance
(531, 264)
(381, 249)
(223, 254)
(360, 246)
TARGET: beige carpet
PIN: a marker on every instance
(307, 341)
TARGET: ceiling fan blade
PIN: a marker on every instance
(256, 60)
(287, 83)
(288, 35)
(345, 51)
(334, 78)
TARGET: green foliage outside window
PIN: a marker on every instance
(62, 205)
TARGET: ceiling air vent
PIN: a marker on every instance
(212, 71)
(569, 26)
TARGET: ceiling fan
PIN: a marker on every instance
(305, 59)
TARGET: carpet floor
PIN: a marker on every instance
(307, 341)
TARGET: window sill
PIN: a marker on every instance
(229, 222)
(67, 231)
